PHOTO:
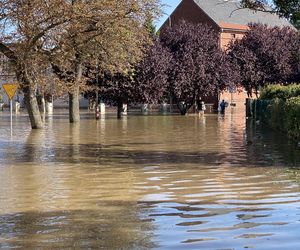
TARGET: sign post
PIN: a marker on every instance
(10, 90)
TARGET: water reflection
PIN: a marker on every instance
(163, 182)
(218, 202)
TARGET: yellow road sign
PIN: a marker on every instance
(10, 89)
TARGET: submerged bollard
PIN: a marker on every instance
(164, 108)
(124, 109)
(49, 108)
(97, 114)
(102, 108)
(17, 107)
(144, 108)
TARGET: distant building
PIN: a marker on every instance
(227, 18)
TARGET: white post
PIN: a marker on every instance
(102, 108)
(43, 105)
(17, 107)
(144, 108)
(125, 108)
(165, 108)
(49, 108)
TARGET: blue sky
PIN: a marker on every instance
(170, 6)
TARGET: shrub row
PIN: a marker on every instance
(292, 109)
(278, 91)
(279, 107)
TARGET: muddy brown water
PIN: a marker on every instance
(148, 182)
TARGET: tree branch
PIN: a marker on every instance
(10, 54)
(42, 33)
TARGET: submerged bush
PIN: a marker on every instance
(279, 107)
(292, 109)
(276, 111)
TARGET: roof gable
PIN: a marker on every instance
(230, 12)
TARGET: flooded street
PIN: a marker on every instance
(147, 182)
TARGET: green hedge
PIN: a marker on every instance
(278, 91)
(279, 107)
(276, 112)
(292, 109)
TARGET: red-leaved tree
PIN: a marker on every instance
(266, 56)
(198, 67)
(146, 82)
(151, 74)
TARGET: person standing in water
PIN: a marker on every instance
(223, 107)
(201, 108)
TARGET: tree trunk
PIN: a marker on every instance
(32, 108)
(74, 115)
(120, 109)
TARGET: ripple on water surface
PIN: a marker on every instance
(162, 182)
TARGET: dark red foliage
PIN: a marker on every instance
(116, 88)
(145, 83)
(151, 74)
(265, 56)
(198, 67)
(295, 58)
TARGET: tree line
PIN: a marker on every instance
(186, 64)
(110, 47)
(49, 44)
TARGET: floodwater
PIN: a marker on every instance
(148, 182)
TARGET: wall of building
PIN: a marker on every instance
(227, 36)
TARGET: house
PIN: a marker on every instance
(228, 19)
